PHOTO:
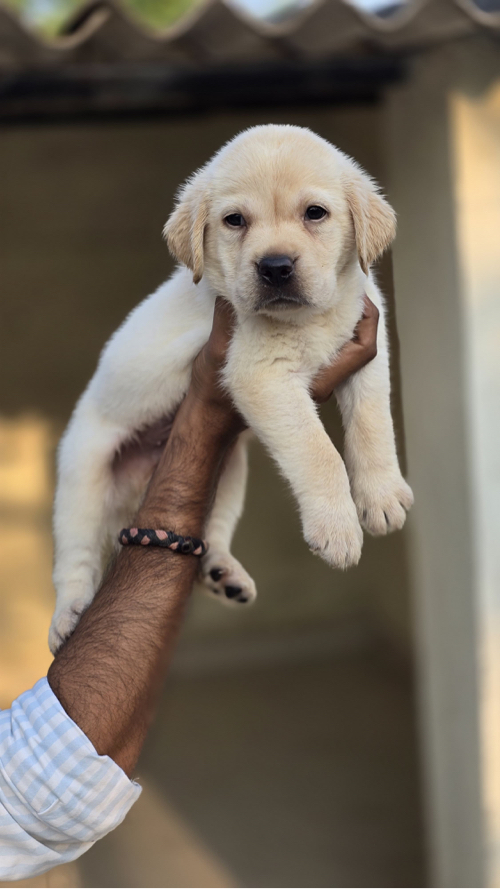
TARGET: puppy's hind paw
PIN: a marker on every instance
(64, 623)
(226, 580)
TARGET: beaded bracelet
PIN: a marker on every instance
(168, 539)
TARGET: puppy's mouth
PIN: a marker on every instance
(280, 301)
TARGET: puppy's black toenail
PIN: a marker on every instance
(365, 513)
(386, 517)
(216, 574)
(232, 591)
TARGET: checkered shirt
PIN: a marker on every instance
(57, 795)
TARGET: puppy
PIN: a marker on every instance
(285, 227)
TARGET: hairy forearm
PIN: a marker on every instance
(109, 673)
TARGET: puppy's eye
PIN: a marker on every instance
(315, 212)
(235, 220)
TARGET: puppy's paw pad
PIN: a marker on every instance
(225, 578)
(64, 623)
(383, 503)
(233, 592)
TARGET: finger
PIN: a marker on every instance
(365, 332)
(369, 308)
(328, 378)
(223, 325)
(356, 353)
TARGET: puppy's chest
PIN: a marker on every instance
(303, 348)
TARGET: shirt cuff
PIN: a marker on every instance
(54, 769)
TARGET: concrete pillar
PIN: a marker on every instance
(443, 145)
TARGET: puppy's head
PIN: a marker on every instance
(274, 219)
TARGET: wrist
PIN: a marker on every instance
(216, 418)
(181, 492)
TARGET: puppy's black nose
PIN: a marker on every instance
(275, 270)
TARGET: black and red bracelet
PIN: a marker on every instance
(168, 539)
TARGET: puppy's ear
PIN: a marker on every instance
(374, 219)
(185, 229)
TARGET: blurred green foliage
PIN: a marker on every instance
(49, 16)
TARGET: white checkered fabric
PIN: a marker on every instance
(57, 795)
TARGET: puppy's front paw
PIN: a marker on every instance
(382, 501)
(334, 533)
(225, 579)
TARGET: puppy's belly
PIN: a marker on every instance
(135, 461)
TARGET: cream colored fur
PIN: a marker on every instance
(270, 175)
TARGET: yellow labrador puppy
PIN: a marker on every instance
(285, 227)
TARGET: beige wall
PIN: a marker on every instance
(82, 212)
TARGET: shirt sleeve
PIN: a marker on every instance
(57, 795)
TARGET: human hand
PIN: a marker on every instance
(360, 350)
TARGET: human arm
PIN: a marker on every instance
(109, 673)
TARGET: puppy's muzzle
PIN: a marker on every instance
(280, 289)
